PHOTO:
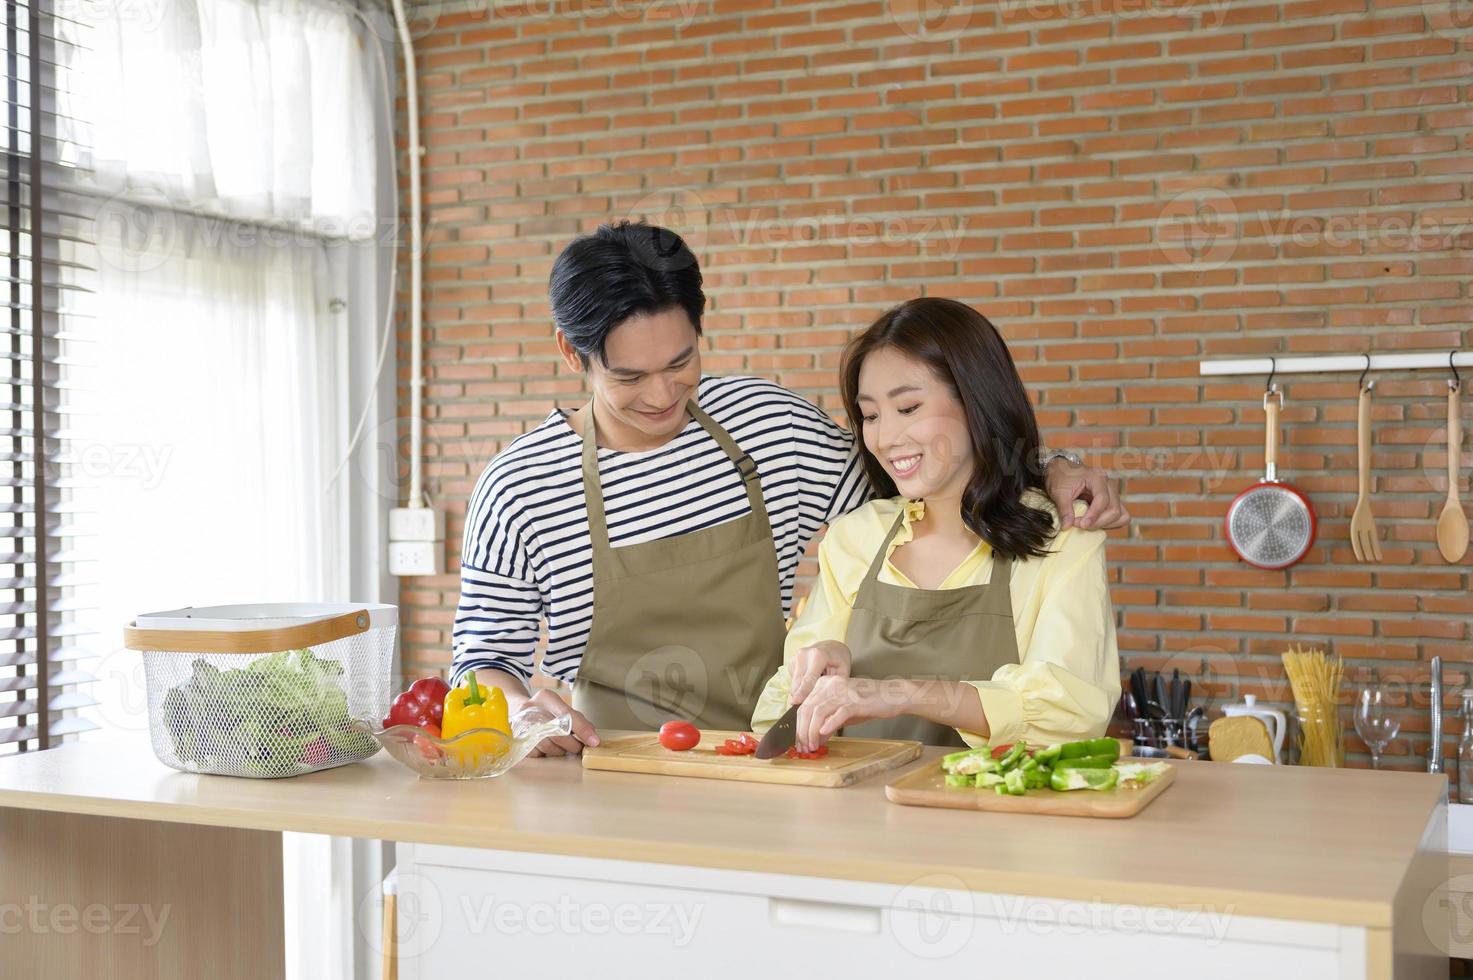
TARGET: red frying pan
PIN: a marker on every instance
(1271, 524)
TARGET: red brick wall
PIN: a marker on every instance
(1040, 161)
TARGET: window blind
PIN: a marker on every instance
(48, 258)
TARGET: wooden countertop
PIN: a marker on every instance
(1307, 844)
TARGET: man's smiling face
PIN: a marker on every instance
(653, 368)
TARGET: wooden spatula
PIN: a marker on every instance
(1363, 523)
(1452, 524)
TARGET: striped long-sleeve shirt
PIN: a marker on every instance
(527, 557)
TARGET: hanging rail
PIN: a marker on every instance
(1337, 362)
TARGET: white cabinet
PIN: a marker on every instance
(570, 917)
(1460, 879)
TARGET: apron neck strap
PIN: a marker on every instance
(746, 468)
(593, 493)
(598, 526)
(1001, 566)
(873, 575)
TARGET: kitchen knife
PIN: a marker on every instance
(783, 735)
(1138, 686)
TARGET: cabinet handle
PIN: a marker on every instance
(823, 915)
(390, 969)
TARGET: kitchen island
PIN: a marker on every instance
(1285, 872)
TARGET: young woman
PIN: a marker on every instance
(949, 609)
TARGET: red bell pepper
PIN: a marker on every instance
(422, 705)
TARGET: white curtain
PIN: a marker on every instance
(220, 383)
(231, 146)
(259, 109)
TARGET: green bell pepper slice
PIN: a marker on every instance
(1090, 746)
(1048, 756)
(1065, 780)
(1087, 762)
(950, 762)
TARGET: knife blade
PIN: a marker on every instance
(1138, 684)
(783, 735)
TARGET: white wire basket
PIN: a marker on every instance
(266, 690)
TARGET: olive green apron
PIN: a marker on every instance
(961, 634)
(687, 627)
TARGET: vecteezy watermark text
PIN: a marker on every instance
(63, 918)
(566, 917)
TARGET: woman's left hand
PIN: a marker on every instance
(838, 701)
(826, 658)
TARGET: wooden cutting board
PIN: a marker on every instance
(926, 787)
(849, 760)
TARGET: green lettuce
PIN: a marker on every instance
(281, 714)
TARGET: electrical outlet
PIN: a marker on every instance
(416, 524)
(414, 558)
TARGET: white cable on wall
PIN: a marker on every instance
(388, 329)
(416, 267)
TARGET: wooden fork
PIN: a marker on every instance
(1363, 539)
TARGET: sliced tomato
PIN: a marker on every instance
(817, 753)
(743, 744)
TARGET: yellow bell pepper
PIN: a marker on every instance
(471, 706)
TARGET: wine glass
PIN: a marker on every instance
(1375, 721)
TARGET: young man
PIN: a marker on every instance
(657, 529)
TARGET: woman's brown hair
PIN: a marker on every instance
(964, 350)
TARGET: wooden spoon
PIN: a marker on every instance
(1452, 525)
(1363, 539)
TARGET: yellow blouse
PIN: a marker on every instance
(1067, 684)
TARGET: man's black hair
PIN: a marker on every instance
(621, 270)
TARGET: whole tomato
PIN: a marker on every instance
(679, 736)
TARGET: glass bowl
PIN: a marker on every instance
(475, 754)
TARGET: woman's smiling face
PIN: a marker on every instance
(914, 424)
